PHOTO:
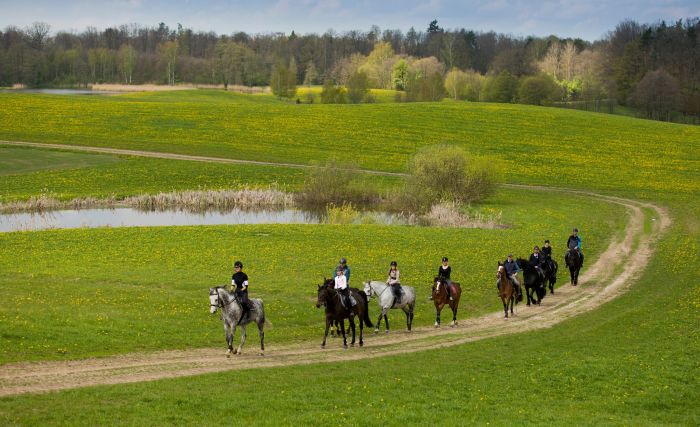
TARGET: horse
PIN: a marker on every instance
(385, 299)
(330, 298)
(573, 261)
(534, 282)
(550, 268)
(231, 313)
(440, 299)
(506, 290)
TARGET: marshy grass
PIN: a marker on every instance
(449, 214)
(195, 201)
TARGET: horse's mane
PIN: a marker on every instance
(524, 264)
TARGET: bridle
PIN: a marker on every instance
(219, 303)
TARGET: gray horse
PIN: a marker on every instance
(231, 312)
(385, 299)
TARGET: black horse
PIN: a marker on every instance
(534, 281)
(335, 311)
(573, 261)
(550, 268)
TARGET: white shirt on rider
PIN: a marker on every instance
(341, 282)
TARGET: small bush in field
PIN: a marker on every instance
(334, 183)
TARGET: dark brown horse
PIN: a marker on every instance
(574, 262)
(506, 290)
(335, 311)
(440, 299)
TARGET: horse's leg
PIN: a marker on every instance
(437, 316)
(242, 341)
(386, 321)
(505, 306)
(261, 332)
(379, 321)
(352, 326)
(410, 316)
(512, 301)
(342, 327)
(361, 316)
(328, 326)
(229, 339)
(454, 307)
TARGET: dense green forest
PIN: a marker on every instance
(654, 68)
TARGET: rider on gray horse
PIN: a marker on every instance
(239, 284)
(574, 243)
(393, 281)
(512, 270)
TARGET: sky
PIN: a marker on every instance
(586, 19)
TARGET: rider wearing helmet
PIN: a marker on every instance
(343, 263)
(547, 254)
(393, 281)
(512, 270)
(444, 272)
(536, 259)
(239, 285)
(341, 285)
(574, 243)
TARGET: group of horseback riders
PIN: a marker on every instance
(540, 258)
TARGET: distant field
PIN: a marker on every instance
(531, 144)
(19, 160)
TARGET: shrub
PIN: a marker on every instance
(538, 90)
(446, 173)
(333, 183)
(343, 214)
(500, 88)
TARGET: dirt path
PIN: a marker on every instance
(611, 275)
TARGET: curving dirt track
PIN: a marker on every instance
(613, 273)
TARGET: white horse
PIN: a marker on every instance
(231, 313)
(386, 301)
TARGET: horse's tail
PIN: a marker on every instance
(365, 316)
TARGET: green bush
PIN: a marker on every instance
(539, 90)
(446, 173)
(334, 184)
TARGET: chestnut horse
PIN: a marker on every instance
(440, 299)
(506, 290)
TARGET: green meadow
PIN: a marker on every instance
(633, 361)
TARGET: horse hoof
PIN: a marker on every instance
(361, 344)
(528, 304)
(323, 346)
(262, 353)
(376, 331)
(345, 347)
(352, 345)
(386, 332)
(437, 325)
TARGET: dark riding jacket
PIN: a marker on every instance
(444, 272)
(512, 267)
(574, 241)
(536, 260)
(239, 279)
(547, 252)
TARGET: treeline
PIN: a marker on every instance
(654, 67)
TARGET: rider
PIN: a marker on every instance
(343, 263)
(341, 285)
(536, 259)
(574, 243)
(239, 280)
(512, 270)
(393, 281)
(547, 254)
(444, 272)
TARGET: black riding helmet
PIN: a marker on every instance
(393, 264)
(238, 264)
(444, 259)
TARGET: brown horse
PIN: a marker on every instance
(440, 299)
(335, 311)
(506, 290)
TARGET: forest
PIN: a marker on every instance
(653, 68)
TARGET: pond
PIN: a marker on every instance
(129, 217)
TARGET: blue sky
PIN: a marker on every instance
(566, 18)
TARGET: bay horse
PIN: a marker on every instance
(440, 299)
(573, 261)
(534, 282)
(231, 312)
(506, 290)
(385, 299)
(329, 297)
